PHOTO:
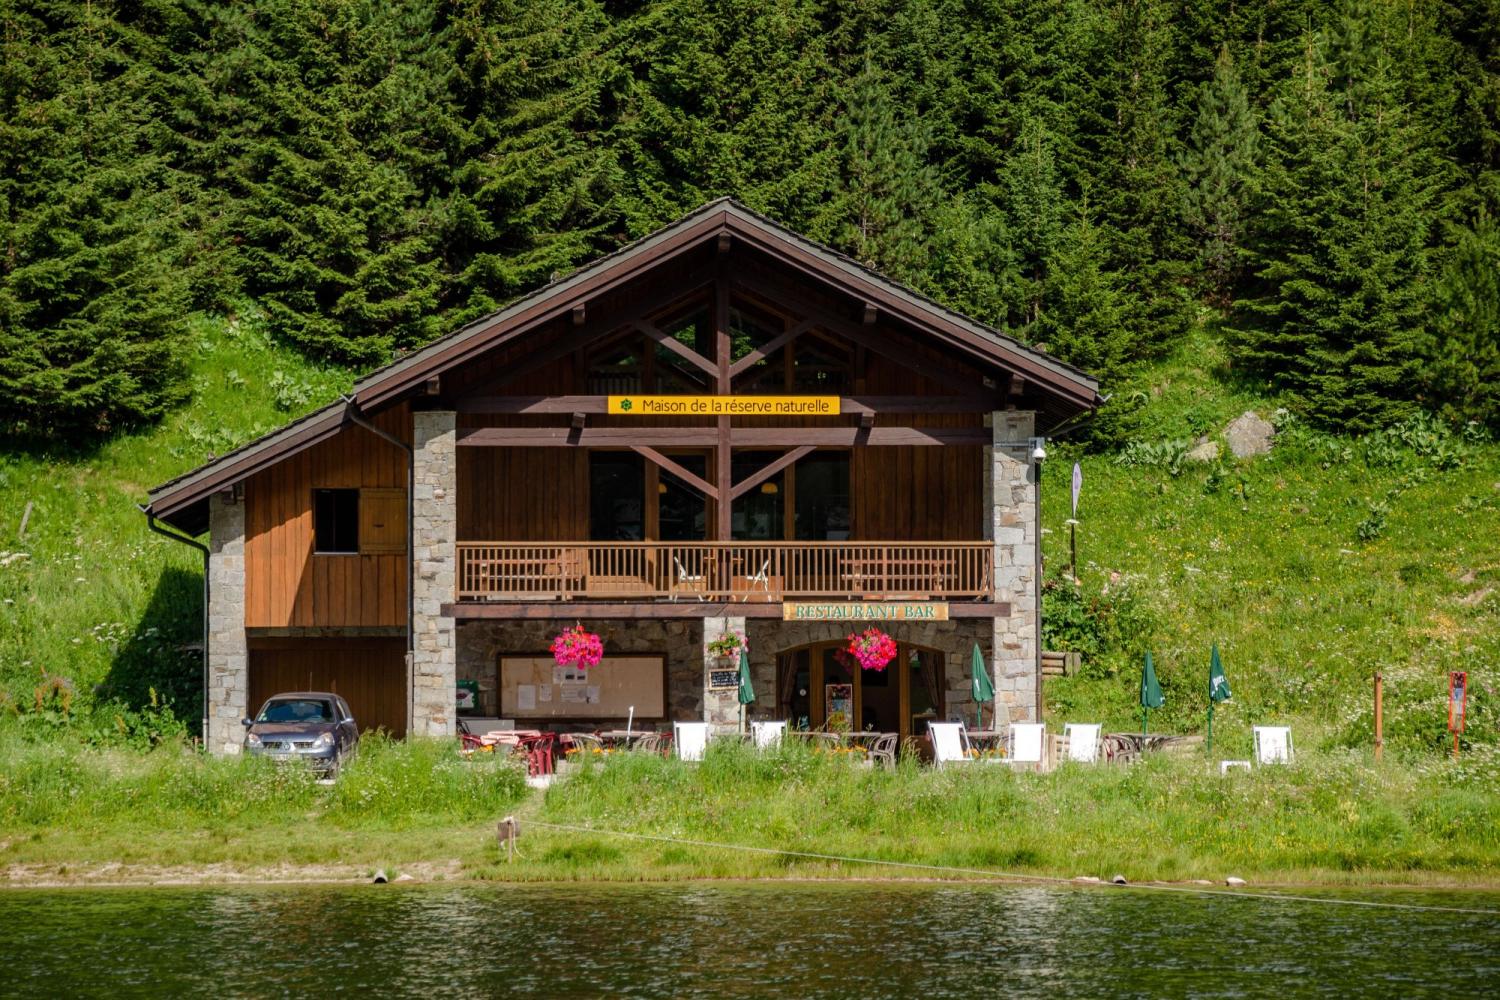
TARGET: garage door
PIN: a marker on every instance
(370, 674)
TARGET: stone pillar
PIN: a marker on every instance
(228, 660)
(721, 709)
(1014, 518)
(434, 536)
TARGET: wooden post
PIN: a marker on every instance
(1379, 715)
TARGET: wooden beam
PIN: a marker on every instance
(870, 314)
(770, 347)
(714, 437)
(481, 610)
(677, 347)
(580, 313)
(579, 419)
(432, 386)
(676, 469)
(847, 404)
(723, 463)
(592, 330)
(761, 475)
(863, 337)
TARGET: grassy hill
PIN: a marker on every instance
(1311, 567)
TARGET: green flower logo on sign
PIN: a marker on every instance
(624, 404)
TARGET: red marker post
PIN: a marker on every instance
(1458, 695)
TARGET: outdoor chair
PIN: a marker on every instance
(1082, 739)
(766, 734)
(761, 578)
(883, 750)
(1028, 741)
(652, 743)
(695, 583)
(1273, 744)
(950, 743)
(691, 739)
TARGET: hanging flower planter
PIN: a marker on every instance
(725, 650)
(872, 648)
(576, 647)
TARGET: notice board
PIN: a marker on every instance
(533, 686)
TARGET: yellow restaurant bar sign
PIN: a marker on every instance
(865, 611)
(725, 406)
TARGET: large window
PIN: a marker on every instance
(617, 490)
(822, 503)
(759, 516)
(682, 512)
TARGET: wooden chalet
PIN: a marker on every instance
(720, 427)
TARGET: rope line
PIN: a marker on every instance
(1014, 876)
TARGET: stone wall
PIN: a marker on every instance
(1011, 499)
(721, 709)
(955, 638)
(228, 660)
(480, 645)
(434, 552)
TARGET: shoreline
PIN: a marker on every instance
(119, 876)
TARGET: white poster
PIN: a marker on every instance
(544, 692)
(573, 694)
(591, 694)
(525, 697)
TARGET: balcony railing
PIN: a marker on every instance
(724, 571)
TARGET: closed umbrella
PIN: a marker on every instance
(1151, 696)
(747, 690)
(980, 684)
(1218, 690)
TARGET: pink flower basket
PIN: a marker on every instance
(575, 647)
(872, 648)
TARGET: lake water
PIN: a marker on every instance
(794, 940)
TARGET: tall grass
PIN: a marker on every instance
(1329, 816)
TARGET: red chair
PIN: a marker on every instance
(539, 751)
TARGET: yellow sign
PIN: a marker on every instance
(725, 406)
(865, 611)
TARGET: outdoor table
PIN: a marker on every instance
(623, 737)
(985, 739)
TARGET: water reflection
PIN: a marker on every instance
(734, 940)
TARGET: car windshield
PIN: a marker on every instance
(296, 710)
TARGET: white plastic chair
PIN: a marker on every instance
(1027, 743)
(690, 739)
(761, 578)
(950, 743)
(1273, 744)
(1083, 741)
(689, 581)
(766, 734)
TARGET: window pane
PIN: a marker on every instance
(617, 489)
(682, 512)
(757, 516)
(336, 521)
(822, 512)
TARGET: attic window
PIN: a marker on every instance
(336, 521)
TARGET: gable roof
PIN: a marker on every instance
(182, 501)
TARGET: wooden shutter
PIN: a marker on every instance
(382, 521)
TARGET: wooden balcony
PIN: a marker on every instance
(724, 571)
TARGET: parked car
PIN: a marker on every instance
(314, 726)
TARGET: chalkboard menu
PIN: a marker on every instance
(718, 680)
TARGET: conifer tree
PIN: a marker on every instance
(1087, 317)
(1035, 203)
(1464, 373)
(884, 208)
(91, 310)
(1218, 165)
(1338, 311)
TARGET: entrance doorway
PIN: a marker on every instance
(819, 686)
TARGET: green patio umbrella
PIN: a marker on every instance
(747, 691)
(979, 683)
(1151, 696)
(1218, 690)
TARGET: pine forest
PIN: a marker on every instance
(1318, 181)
